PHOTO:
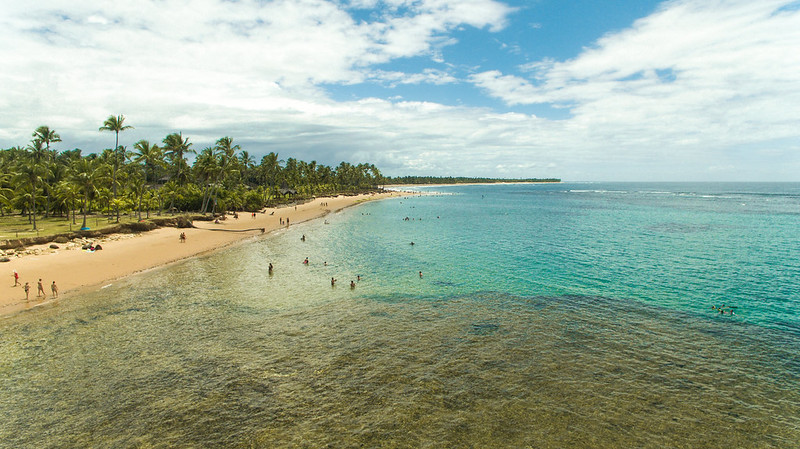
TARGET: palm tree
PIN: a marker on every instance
(46, 136)
(248, 163)
(138, 188)
(54, 172)
(115, 124)
(87, 174)
(6, 174)
(67, 193)
(270, 168)
(223, 165)
(150, 156)
(206, 166)
(28, 175)
(172, 191)
(175, 148)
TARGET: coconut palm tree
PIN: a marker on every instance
(172, 191)
(269, 170)
(176, 148)
(46, 136)
(6, 175)
(113, 123)
(67, 192)
(206, 167)
(87, 174)
(248, 164)
(150, 156)
(138, 188)
(28, 175)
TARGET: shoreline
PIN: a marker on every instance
(75, 270)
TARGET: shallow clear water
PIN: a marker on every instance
(547, 316)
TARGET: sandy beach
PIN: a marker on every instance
(75, 270)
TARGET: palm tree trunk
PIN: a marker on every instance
(33, 211)
(85, 200)
(116, 148)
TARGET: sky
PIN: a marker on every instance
(582, 90)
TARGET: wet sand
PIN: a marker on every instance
(74, 269)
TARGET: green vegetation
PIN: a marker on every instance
(39, 184)
(459, 180)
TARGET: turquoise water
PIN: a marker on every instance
(564, 315)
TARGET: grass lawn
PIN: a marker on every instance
(17, 226)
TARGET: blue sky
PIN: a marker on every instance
(679, 90)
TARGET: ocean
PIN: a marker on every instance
(570, 315)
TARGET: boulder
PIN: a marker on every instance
(184, 222)
(53, 246)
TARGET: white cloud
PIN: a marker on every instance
(72, 64)
(695, 81)
(512, 89)
(428, 76)
(711, 73)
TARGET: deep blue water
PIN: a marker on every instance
(547, 316)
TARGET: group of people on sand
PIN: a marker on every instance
(40, 293)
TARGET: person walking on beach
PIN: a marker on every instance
(182, 237)
(27, 289)
(16, 278)
(54, 289)
(41, 292)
